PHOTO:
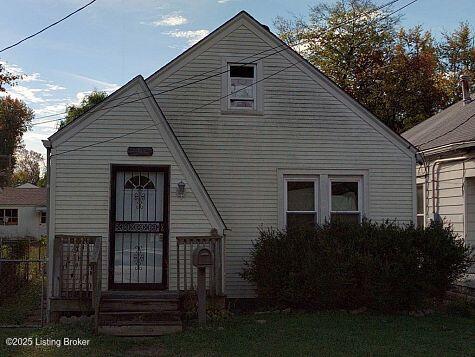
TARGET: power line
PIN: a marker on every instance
(47, 27)
(182, 114)
(447, 132)
(193, 110)
(284, 45)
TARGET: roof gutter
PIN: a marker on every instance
(448, 147)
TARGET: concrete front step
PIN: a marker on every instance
(140, 330)
(130, 317)
(139, 313)
(138, 305)
(143, 294)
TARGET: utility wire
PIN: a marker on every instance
(47, 27)
(185, 113)
(193, 110)
(447, 132)
(284, 45)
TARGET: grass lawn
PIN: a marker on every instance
(293, 334)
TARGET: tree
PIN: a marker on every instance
(348, 48)
(6, 78)
(15, 119)
(397, 74)
(457, 52)
(413, 87)
(89, 101)
(28, 167)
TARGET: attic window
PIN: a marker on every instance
(242, 86)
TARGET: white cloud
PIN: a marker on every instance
(171, 20)
(105, 86)
(191, 36)
(223, 1)
(29, 95)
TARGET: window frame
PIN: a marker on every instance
(43, 214)
(316, 183)
(258, 108)
(254, 87)
(3, 215)
(423, 214)
(359, 181)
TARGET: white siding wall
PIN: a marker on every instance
(303, 127)
(81, 183)
(451, 186)
(29, 224)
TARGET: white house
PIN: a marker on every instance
(23, 212)
(446, 178)
(236, 133)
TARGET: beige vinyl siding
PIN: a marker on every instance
(451, 184)
(470, 201)
(82, 180)
(304, 126)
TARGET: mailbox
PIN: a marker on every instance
(202, 257)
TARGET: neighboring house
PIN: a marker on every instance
(446, 179)
(238, 132)
(23, 212)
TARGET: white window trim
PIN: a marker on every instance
(315, 180)
(254, 88)
(423, 214)
(344, 178)
(226, 85)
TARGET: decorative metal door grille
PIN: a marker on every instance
(138, 227)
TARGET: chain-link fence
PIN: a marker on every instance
(22, 282)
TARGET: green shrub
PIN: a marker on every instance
(380, 266)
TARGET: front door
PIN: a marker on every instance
(138, 227)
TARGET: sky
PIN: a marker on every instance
(112, 41)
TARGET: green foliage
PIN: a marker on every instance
(89, 101)
(6, 78)
(15, 119)
(27, 168)
(402, 75)
(379, 266)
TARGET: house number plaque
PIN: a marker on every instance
(139, 151)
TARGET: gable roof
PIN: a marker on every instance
(23, 196)
(313, 72)
(454, 125)
(169, 137)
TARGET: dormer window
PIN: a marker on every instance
(242, 86)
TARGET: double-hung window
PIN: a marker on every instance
(420, 206)
(9, 217)
(345, 199)
(242, 88)
(300, 200)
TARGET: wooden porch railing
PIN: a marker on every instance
(75, 274)
(187, 273)
(96, 265)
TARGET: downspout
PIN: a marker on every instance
(434, 164)
(49, 259)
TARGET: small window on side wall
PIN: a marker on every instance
(300, 203)
(43, 217)
(242, 86)
(345, 200)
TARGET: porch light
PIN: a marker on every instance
(181, 189)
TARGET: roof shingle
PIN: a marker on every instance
(455, 124)
(23, 196)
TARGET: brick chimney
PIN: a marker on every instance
(465, 84)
